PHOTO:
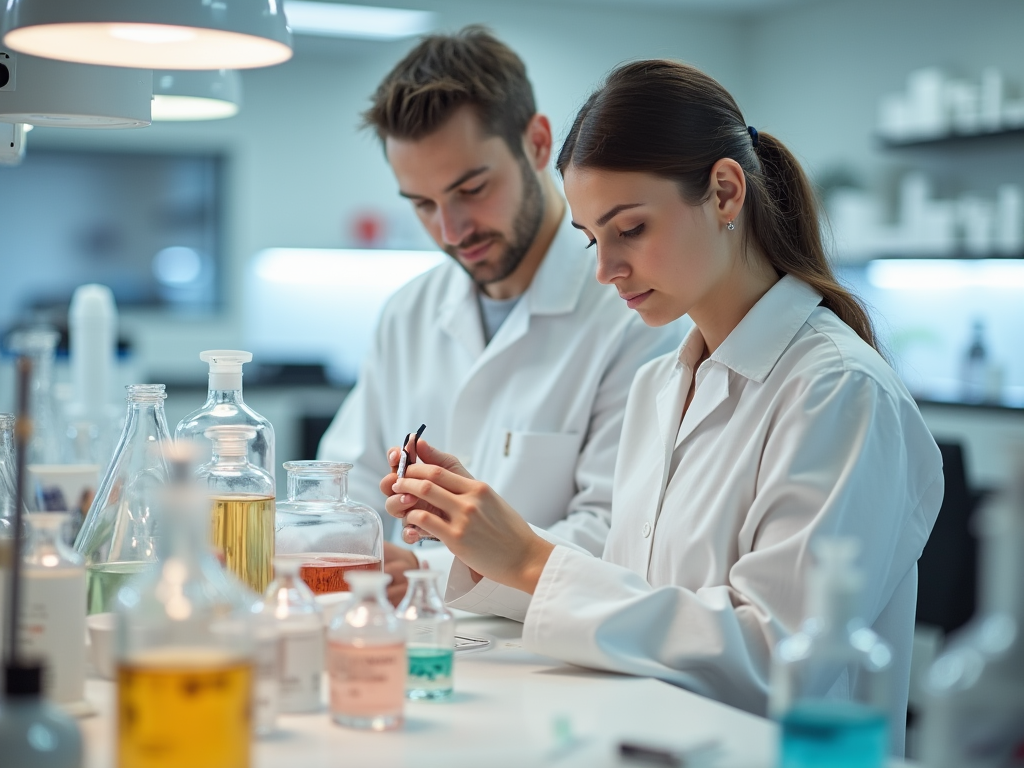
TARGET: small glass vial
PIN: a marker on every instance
(292, 606)
(366, 658)
(818, 730)
(430, 637)
(52, 622)
(243, 505)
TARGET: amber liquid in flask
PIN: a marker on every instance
(243, 529)
(206, 694)
(325, 572)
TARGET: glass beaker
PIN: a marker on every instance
(243, 505)
(366, 659)
(184, 645)
(224, 406)
(117, 537)
(328, 533)
(291, 604)
(430, 637)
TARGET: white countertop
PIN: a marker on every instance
(503, 713)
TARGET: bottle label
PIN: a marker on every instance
(302, 665)
(53, 626)
(367, 681)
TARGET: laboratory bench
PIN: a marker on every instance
(510, 708)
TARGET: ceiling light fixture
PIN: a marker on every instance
(156, 34)
(211, 95)
(357, 21)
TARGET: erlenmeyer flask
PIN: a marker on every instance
(117, 538)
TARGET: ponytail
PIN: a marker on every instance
(674, 121)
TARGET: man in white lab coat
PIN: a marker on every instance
(513, 355)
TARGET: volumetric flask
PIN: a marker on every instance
(430, 637)
(117, 538)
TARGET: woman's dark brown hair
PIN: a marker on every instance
(672, 120)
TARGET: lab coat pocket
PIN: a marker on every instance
(537, 472)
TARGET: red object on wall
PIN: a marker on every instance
(368, 229)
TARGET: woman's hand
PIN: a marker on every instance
(476, 524)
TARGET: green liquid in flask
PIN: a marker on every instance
(430, 673)
(103, 581)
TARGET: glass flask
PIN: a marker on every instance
(243, 505)
(430, 637)
(40, 345)
(224, 406)
(834, 645)
(34, 732)
(52, 620)
(117, 537)
(328, 533)
(974, 691)
(8, 486)
(366, 660)
(291, 604)
(184, 645)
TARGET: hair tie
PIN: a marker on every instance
(753, 135)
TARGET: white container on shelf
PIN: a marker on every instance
(976, 217)
(991, 107)
(1009, 221)
(925, 92)
(962, 97)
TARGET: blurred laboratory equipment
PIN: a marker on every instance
(40, 346)
(32, 730)
(52, 624)
(366, 660)
(117, 537)
(92, 419)
(974, 371)
(430, 637)
(322, 528)
(243, 505)
(974, 691)
(184, 644)
(834, 644)
(8, 496)
(291, 604)
(224, 406)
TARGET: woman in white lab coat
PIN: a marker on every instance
(776, 421)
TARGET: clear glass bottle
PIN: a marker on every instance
(117, 537)
(974, 691)
(819, 731)
(430, 637)
(366, 659)
(243, 505)
(33, 731)
(184, 646)
(291, 604)
(224, 406)
(8, 505)
(40, 345)
(52, 621)
(328, 533)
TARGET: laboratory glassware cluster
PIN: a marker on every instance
(214, 607)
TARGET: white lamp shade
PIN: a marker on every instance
(56, 93)
(191, 95)
(154, 34)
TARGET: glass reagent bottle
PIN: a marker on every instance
(430, 637)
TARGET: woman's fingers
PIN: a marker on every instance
(428, 454)
(399, 504)
(430, 523)
(442, 498)
(437, 475)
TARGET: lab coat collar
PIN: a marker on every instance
(756, 344)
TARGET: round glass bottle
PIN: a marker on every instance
(319, 525)
(117, 537)
(243, 505)
(430, 637)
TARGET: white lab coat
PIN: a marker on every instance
(796, 428)
(536, 413)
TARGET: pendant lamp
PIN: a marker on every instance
(151, 34)
(210, 95)
(55, 93)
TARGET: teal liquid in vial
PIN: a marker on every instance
(834, 734)
(430, 673)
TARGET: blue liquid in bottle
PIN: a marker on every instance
(430, 673)
(834, 734)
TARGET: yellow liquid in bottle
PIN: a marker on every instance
(243, 529)
(184, 707)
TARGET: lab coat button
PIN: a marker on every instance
(646, 530)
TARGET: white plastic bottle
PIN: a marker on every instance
(974, 691)
(291, 604)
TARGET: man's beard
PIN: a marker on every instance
(524, 232)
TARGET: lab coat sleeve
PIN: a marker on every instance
(835, 462)
(356, 436)
(588, 517)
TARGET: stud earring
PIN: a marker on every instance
(730, 226)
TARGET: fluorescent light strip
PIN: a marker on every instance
(357, 21)
(342, 267)
(945, 274)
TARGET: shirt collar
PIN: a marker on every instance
(756, 344)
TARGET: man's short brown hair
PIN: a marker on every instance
(446, 72)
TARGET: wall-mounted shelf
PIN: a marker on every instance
(954, 139)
